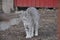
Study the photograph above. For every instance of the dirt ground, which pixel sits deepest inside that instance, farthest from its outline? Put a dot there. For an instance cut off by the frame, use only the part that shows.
(47, 28)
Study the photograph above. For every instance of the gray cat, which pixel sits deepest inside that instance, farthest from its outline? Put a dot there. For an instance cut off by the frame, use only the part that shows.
(30, 19)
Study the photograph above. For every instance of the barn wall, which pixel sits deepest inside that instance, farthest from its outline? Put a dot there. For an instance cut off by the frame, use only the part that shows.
(36, 3)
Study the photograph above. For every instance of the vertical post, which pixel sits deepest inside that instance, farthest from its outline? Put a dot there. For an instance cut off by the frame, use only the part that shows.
(58, 27)
(15, 4)
(16, 9)
(58, 21)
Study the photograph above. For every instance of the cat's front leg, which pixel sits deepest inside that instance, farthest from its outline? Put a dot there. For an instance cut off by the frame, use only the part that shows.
(27, 30)
(36, 29)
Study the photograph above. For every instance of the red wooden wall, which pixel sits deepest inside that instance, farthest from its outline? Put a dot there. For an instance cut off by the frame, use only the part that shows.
(36, 3)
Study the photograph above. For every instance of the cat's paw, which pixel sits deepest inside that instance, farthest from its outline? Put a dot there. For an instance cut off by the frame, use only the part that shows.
(29, 36)
(36, 34)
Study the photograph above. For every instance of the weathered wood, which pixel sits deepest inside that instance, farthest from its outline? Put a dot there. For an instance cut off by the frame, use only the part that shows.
(7, 6)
